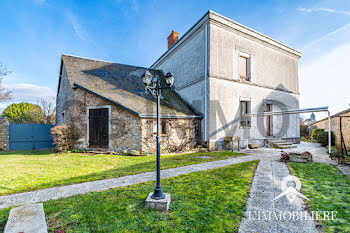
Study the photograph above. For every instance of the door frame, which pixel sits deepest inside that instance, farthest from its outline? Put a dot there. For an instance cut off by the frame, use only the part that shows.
(109, 107)
(269, 127)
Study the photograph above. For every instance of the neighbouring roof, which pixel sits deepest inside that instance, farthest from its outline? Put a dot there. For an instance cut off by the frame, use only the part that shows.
(335, 115)
(122, 85)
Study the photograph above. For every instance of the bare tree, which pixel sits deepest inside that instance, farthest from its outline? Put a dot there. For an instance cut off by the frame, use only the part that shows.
(48, 107)
(5, 93)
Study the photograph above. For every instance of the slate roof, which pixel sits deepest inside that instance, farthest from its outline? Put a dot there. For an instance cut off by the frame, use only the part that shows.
(122, 85)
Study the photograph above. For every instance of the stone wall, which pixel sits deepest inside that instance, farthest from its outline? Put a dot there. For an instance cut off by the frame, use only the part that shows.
(125, 126)
(180, 135)
(4, 134)
(65, 100)
(335, 127)
(127, 130)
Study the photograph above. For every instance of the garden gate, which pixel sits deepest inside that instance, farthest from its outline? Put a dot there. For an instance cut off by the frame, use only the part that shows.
(30, 136)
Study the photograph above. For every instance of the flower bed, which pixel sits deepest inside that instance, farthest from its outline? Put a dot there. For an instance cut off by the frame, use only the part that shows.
(304, 157)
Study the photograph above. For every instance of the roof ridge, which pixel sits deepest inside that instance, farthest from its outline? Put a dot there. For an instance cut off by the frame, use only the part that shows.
(92, 59)
(85, 58)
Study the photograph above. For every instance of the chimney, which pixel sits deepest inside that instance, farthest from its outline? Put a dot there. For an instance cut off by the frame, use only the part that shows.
(174, 36)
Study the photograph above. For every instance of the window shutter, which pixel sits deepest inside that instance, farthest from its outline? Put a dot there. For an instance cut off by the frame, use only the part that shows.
(249, 68)
(243, 66)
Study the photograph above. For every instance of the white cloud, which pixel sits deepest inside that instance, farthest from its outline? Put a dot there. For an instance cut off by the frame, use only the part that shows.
(325, 81)
(26, 92)
(329, 10)
(30, 92)
(77, 27)
(326, 36)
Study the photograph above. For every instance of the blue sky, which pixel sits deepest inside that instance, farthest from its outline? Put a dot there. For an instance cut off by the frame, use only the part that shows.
(34, 34)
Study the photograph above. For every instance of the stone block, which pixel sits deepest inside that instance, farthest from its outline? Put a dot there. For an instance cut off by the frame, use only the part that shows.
(28, 218)
(253, 146)
(160, 205)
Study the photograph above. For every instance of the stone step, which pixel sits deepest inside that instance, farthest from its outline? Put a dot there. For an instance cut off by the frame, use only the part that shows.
(282, 143)
(29, 218)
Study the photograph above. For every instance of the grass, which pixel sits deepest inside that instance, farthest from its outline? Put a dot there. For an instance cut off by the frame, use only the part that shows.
(207, 201)
(32, 170)
(304, 139)
(328, 190)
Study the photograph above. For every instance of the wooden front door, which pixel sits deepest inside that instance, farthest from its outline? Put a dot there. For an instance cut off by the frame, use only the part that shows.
(268, 120)
(98, 128)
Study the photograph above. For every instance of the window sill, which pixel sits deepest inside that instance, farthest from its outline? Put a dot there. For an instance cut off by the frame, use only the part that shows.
(242, 126)
(245, 79)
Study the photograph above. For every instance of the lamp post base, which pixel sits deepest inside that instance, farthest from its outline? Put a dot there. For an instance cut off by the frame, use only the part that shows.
(160, 204)
(158, 194)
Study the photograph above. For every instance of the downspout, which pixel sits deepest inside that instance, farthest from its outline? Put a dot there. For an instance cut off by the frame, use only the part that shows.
(206, 85)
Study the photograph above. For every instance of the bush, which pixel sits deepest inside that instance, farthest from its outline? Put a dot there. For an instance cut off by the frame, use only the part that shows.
(315, 133)
(24, 113)
(321, 137)
(65, 137)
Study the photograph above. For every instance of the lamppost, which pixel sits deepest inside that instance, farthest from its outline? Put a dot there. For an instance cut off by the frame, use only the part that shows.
(153, 85)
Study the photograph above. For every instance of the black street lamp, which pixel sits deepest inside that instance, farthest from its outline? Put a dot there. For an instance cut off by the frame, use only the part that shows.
(154, 86)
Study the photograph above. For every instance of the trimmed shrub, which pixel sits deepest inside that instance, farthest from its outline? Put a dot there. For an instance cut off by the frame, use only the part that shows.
(321, 137)
(315, 133)
(65, 137)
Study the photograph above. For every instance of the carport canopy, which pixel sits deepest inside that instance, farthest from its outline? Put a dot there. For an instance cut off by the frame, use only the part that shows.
(298, 111)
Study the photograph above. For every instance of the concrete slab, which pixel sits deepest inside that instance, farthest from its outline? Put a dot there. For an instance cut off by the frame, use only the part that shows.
(160, 205)
(27, 219)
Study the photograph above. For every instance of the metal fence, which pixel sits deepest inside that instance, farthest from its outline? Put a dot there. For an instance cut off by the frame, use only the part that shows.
(30, 136)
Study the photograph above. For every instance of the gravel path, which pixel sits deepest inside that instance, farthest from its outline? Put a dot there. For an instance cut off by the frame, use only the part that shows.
(100, 185)
(261, 205)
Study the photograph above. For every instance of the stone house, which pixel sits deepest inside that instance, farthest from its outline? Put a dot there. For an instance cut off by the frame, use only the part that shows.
(108, 104)
(335, 126)
(223, 70)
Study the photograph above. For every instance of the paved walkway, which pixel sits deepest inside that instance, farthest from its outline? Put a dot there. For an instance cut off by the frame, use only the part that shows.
(100, 185)
(264, 214)
(319, 154)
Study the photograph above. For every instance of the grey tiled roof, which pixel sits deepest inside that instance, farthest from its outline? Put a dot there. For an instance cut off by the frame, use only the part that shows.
(122, 85)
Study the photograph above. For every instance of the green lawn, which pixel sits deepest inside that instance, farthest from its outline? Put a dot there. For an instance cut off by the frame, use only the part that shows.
(207, 201)
(328, 190)
(32, 170)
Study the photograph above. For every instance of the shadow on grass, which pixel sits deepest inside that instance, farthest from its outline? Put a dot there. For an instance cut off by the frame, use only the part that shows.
(166, 162)
(28, 152)
(205, 201)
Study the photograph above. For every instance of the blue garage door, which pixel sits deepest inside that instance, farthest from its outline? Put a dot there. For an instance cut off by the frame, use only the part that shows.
(30, 136)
